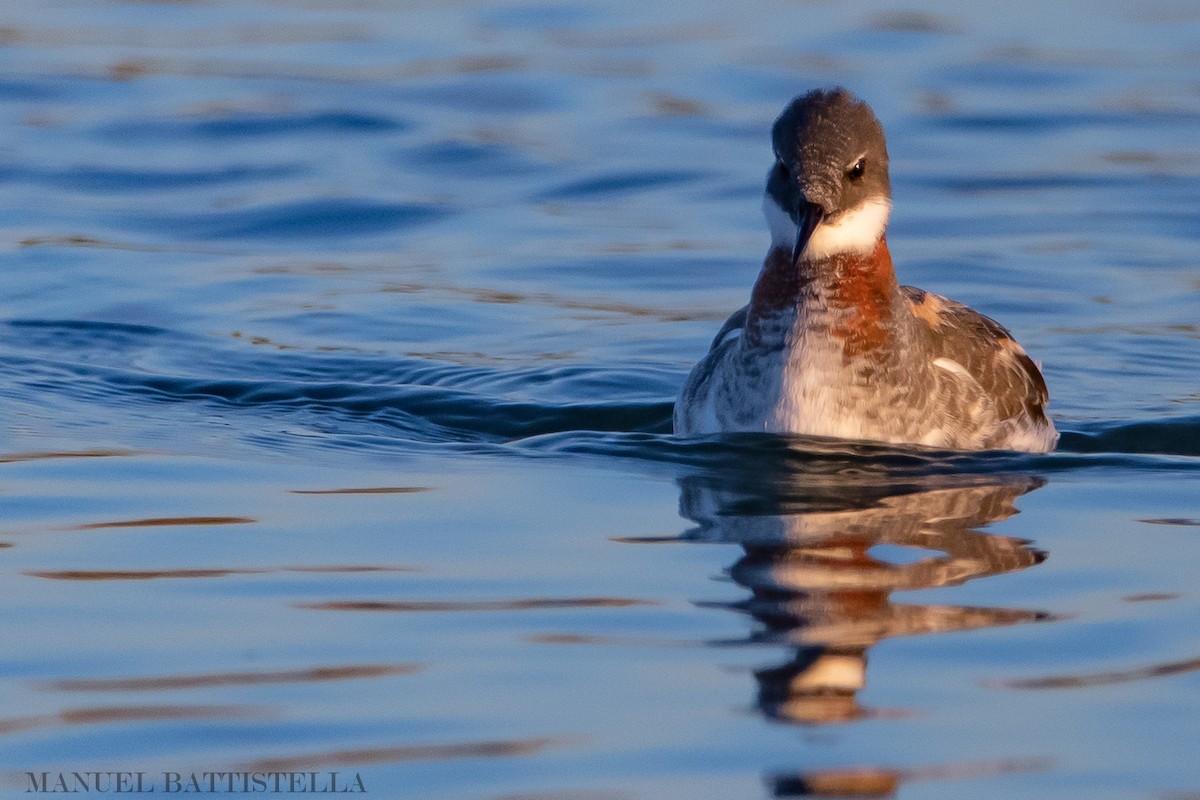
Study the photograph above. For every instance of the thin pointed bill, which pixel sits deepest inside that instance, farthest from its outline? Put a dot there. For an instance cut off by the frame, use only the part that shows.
(809, 217)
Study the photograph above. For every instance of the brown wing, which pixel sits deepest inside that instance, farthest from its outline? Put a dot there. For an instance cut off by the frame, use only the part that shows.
(986, 350)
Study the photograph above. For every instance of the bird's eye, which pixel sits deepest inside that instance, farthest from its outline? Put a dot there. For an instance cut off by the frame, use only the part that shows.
(856, 172)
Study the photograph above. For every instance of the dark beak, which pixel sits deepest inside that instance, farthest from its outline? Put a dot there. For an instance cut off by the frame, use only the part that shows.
(809, 217)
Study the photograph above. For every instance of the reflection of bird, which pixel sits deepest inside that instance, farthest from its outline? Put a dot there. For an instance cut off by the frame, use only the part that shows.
(817, 583)
(830, 344)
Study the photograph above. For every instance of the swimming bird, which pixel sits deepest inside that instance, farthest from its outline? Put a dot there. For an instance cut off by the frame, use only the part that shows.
(830, 343)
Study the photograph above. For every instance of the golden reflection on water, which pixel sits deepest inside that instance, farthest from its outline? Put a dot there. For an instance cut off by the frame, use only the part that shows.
(403, 753)
(1083, 680)
(135, 575)
(40, 455)
(87, 241)
(211, 679)
(214, 572)
(157, 522)
(563, 302)
(817, 583)
(106, 715)
(367, 490)
(521, 604)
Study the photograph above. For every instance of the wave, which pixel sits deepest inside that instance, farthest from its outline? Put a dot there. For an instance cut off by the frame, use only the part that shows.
(306, 219)
(1178, 436)
(606, 411)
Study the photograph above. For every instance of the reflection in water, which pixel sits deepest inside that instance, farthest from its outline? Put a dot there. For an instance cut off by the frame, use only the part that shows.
(1080, 681)
(214, 572)
(7, 458)
(523, 604)
(108, 715)
(367, 490)
(819, 580)
(868, 782)
(161, 522)
(209, 680)
(499, 748)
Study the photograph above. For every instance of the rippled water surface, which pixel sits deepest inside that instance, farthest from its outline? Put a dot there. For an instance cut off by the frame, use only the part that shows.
(338, 344)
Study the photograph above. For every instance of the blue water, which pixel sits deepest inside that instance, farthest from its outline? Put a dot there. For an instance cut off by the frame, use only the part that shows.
(338, 348)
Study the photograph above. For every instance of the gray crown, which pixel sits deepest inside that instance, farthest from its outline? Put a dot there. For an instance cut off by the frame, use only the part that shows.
(830, 152)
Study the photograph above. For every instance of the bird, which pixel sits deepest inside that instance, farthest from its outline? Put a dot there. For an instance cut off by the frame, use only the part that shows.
(830, 344)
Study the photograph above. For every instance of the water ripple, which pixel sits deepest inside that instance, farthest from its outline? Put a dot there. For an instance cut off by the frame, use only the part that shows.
(212, 679)
(91, 179)
(1179, 436)
(420, 412)
(600, 411)
(816, 457)
(618, 184)
(395, 754)
(240, 126)
(1059, 120)
(306, 219)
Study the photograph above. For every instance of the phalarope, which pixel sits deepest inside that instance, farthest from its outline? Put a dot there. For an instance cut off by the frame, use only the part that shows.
(830, 343)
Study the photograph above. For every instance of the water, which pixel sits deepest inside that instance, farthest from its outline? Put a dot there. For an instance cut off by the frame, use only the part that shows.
(337, 354)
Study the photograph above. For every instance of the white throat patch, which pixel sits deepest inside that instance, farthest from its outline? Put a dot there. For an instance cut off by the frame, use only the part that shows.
(855, 231)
